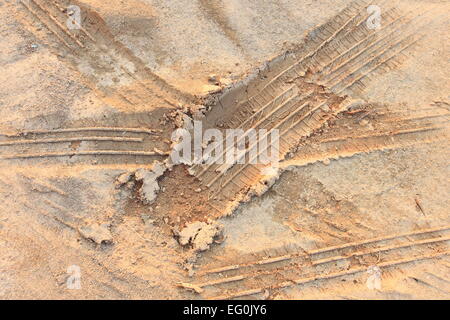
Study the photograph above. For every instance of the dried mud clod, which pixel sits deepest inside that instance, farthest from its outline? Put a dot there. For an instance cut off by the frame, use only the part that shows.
(145, 180)
(149, 178)
(200, 235)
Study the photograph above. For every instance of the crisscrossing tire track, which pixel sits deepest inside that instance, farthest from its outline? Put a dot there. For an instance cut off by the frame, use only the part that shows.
(308, 92)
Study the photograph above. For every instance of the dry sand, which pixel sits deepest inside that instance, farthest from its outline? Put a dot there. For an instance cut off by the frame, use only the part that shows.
(87, 115)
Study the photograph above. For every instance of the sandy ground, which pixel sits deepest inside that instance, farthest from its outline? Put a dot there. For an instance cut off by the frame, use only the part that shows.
(88, 195)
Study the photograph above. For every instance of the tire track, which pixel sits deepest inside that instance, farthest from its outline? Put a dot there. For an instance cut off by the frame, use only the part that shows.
(358, 53)
(95, 44)
(62, 140)
(79, 153)
(349, 245)
(316, 278)
(116, 144)
(266, 91)
(303, 266)
(384, 130)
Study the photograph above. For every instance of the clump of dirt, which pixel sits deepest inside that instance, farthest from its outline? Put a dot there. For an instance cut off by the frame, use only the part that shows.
(145, 181)
(150, 186)
(200, 235)
(269, 175)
